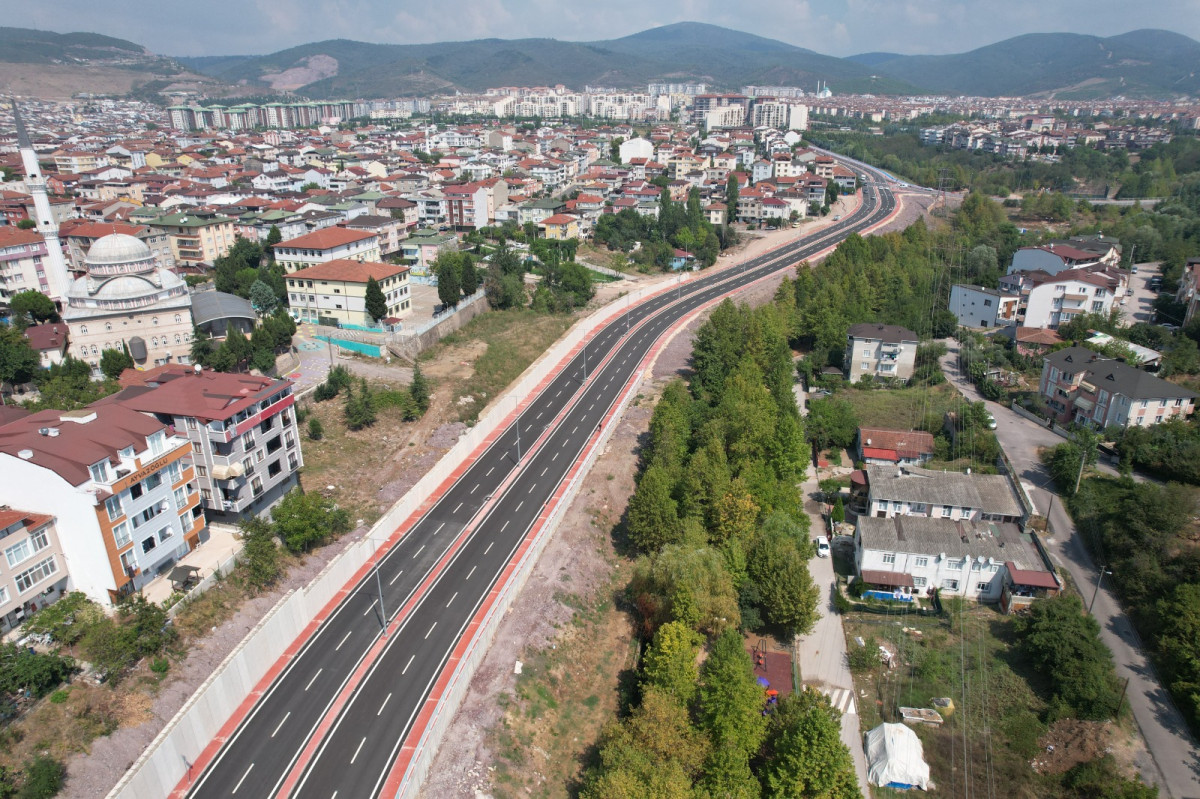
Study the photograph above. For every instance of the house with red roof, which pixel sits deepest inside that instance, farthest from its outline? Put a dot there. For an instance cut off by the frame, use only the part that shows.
(882, 447)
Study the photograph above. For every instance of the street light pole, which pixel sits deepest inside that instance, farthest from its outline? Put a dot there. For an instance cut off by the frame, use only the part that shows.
(379, 585)
(1096, 593)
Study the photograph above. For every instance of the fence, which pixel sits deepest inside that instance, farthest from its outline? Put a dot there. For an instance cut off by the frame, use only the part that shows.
(223, 570)
(1028, 414)
(409, 343)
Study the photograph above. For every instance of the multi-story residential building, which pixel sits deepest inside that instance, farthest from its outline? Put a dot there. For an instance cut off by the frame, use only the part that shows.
(1081, 386)
(422, 248)
(33, 573)
(1052, 301)
(22, 263)
(984, 561)
(467, 205)
(955, 496)
(78, 235)
(241, 429)
(391, 231)
(883, 351)
(560, 227)
(121, 486)
(322, 246)
(196, 236)
(975, 306)
(334, 293)
(76, 162)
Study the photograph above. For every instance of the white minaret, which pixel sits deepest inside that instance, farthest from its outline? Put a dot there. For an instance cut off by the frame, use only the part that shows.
(56, 266)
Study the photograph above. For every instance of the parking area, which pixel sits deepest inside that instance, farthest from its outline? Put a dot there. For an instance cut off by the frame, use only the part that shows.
(1139, 303)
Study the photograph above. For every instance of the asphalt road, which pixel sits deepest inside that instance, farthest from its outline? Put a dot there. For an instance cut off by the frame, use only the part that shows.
(482, 519)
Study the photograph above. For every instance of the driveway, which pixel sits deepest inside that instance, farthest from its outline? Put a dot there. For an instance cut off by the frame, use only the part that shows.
(1171, 760)
(1139, 303)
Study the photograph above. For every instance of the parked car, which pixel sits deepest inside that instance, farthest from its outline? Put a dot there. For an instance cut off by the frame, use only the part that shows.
(991, 422)
(822, 547)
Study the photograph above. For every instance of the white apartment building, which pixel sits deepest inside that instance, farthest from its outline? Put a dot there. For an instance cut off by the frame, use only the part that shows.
(330, 244)
(121, 486)
(975, 306)
(875, 350)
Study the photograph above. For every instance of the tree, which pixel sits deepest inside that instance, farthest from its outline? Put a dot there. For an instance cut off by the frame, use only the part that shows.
(731, 197)
(32, 307)
(778, 564)
(653, 516)
(22, 669)
(687, 584)
(831, 422)
(1064, 644)
(202, 347)
(731, 702)
(446, 267)
(376, 302)
(806, 758)
(316, 430)
(419, 390)
(26, 224)
(114, 362)
(18, 361)
(360, 410)
(273, 238)
(577, 282)
(468, 275)
(260, 555)
(44, 777)
(670, 662)
(262, 298)
(302, 520)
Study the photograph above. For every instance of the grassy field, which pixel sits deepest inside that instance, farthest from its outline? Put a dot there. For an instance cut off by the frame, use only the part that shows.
(997, 727)
(901, 408)
(563, 698)
(511, 341)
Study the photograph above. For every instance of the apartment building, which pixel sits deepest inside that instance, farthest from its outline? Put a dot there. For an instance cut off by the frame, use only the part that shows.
(120, 485)
(1081, 386)
(33, 573)
(882, 351)
(22, 263)
(335, 293)
(330, 244)
(196, 236)
(78, 235)
(240, 429)
(976, 306)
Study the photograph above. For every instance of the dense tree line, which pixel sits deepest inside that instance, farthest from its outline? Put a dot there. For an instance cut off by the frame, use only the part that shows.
(1142, 533)
(718, 520)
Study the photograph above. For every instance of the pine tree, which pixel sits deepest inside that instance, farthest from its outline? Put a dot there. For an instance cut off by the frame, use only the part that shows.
(419, 390)
(449, 280)
(376, 302)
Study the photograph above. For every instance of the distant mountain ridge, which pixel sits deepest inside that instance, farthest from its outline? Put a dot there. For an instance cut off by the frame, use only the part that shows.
(686, 51)
(1141, 63)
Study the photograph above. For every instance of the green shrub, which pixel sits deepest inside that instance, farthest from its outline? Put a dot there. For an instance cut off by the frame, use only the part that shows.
(840, 603)
(160, 666)
(43, 778)
(863, 658)
(316, 430)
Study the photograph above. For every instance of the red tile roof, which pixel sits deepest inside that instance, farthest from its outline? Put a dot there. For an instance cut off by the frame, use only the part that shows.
(327, 238)
(560, 219)
(47, 337)
(906, 443)
(10, 516)
(349, 271)
(207, 395)
(13, 236)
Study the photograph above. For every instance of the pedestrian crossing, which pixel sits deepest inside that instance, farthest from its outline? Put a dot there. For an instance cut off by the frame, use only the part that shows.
(842, 699)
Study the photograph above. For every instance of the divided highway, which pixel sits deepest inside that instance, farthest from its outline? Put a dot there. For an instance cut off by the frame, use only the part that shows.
(332, 723)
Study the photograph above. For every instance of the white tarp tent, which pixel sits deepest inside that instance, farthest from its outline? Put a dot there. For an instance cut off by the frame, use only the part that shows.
(895, 758)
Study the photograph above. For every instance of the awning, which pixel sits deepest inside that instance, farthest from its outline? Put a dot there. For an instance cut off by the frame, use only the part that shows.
(1084, 404)
(1033, 579)
(889, 579)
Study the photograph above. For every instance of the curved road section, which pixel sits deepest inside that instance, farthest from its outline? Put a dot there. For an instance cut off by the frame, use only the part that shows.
(333, 721)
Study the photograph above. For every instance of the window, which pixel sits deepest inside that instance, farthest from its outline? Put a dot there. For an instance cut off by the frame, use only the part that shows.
(191, 423)
(148, 544)
(173, 472)
(157, 442)
(957, 565)
(164, 534)
(256, 485)
(129, 562)
(206, 495)
(889, 558)
(865, 365)
(178, 318)
(180, 497)
(19, 553)
(32, 576)
(202, 471)
(154, 320)
(121, 534)
(919, 562)
(274, 468)
(197, 448)
(982, 587)
(946, 511)
(99, 471)
(919, 582)
(292, 461)
(3, 595)
(949, 585)
(153, 481)
(248, 442)
(113, 506)
(135, 491)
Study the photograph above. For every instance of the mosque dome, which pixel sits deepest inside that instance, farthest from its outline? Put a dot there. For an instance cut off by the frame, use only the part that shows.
(118, 248)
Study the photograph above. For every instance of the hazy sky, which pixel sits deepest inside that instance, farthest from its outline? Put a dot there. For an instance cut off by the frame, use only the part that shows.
(835, 27)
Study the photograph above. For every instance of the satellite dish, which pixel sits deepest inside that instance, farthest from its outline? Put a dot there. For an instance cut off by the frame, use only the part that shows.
(197, 368)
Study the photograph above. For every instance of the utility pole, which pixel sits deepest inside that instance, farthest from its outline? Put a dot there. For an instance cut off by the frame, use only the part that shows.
(1096, 593)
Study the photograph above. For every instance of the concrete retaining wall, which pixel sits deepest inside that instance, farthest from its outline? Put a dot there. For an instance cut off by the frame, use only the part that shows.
(408, 345)
(168, 760)
(1030, 415)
